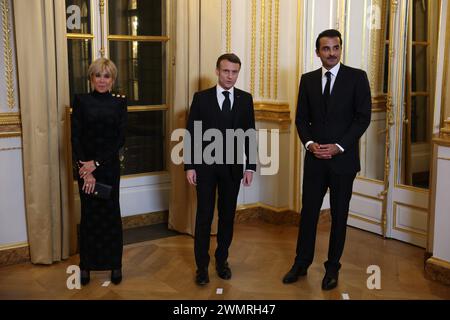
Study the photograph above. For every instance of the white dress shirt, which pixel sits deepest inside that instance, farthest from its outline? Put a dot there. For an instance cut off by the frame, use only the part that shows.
(334, 71)
(221, 96)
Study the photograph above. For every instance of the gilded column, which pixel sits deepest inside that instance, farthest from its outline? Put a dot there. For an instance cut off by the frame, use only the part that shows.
(102, 37)
(253, 50)
(8, 54)
(228, 27)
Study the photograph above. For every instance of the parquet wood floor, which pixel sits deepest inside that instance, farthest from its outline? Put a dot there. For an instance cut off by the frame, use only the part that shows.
(260, 255)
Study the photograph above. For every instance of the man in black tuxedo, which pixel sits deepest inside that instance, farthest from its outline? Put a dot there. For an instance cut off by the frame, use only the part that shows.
(333, 112)
(221, 107)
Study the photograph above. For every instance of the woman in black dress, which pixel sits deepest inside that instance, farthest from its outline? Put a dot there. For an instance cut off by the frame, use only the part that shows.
(98, 132)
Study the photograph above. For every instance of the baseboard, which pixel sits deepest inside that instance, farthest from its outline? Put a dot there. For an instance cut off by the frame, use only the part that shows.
(269, 214)
(14, 254)
(437, 270)
(146, 219)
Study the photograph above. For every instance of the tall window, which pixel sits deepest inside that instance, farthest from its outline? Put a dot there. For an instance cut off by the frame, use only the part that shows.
(79, 44)
(136, 43)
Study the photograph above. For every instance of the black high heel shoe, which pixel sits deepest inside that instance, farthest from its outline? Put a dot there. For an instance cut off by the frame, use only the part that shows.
(116, 276)
(85, 277)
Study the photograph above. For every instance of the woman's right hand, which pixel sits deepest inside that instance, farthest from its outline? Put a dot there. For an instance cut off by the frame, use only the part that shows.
(86, 167)
(89, 183)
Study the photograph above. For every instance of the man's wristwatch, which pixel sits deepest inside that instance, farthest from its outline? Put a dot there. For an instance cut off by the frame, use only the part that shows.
(96, 163)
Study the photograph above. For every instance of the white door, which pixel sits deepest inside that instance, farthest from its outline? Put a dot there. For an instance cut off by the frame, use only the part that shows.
(412, 88)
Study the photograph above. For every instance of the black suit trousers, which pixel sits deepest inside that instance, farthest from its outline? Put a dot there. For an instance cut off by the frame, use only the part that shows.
(316, 181)
(212, 179)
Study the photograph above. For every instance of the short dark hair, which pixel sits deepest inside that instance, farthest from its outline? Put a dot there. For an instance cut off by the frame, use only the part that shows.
(330, 33)
(230, 57)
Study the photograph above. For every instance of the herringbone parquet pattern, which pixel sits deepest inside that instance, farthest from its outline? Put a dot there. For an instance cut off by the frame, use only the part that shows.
(260, 255)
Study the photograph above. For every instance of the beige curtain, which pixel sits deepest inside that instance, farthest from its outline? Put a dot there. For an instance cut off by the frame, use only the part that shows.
(42, 113)
(182, 202)
(446, 95)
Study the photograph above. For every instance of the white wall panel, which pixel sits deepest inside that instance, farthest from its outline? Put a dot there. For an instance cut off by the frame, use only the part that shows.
(441, 243)
(12, 204)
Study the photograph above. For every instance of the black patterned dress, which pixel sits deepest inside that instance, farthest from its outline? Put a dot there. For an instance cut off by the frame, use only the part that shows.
(98, 132)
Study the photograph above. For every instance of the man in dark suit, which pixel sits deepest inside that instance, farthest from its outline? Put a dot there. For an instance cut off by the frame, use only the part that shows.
(333, 112)
(222, 107)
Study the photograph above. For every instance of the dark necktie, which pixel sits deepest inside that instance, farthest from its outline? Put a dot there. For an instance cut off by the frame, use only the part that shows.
(326, 91)
(226, 106)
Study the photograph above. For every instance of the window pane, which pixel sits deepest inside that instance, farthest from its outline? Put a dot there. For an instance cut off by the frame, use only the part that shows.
(419, 119)
(137, 17)
(78, 16)
(144, 147)
(141, 71)
(420, 21)
(419, 68)
(80, 56)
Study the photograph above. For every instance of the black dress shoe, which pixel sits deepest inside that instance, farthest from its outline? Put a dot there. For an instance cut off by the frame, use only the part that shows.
(223, 271)
(202, 277)
(329, 282)
(85, 277)
(116, 276)
(293, 274)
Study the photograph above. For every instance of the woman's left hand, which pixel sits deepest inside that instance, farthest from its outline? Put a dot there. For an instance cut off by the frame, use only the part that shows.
(89, 184)
(87, 167)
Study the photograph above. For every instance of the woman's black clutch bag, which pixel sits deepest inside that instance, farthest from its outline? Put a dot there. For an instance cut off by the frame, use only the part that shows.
(102, 191)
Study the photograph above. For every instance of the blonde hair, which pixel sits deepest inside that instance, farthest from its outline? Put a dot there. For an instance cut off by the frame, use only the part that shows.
(100, 65)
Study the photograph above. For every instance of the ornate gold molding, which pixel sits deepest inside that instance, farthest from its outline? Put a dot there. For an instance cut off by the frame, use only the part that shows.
(102, 31)
(446, 129)
(253, 49)
(276, 45)
(377, 47)
(278, 113)
(228, 27)
(441, 140)
(8, 54)
(262, 46)
(379, 103)
(10, 125)
(269, 51)
(11, 118)
(389, 117)
(394, 6)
